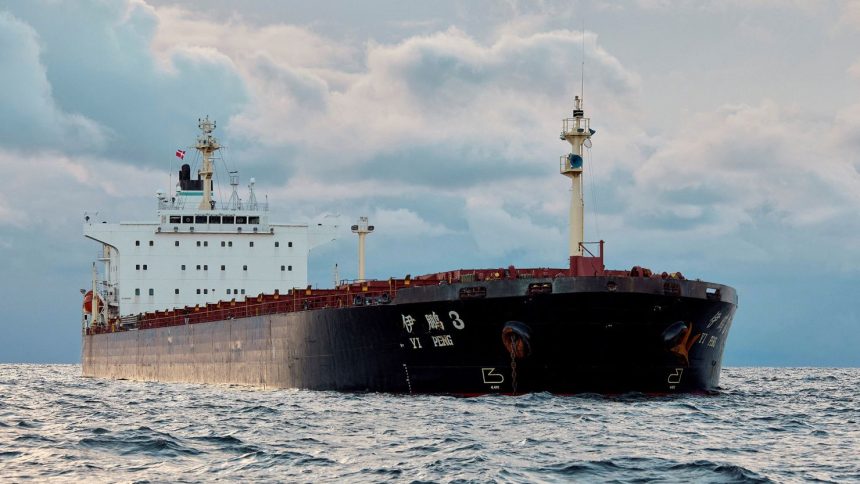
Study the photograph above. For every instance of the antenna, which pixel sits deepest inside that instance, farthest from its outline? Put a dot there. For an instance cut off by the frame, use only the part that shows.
(582, 67)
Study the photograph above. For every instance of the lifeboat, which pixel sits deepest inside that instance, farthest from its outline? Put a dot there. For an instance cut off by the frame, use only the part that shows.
(88, 302)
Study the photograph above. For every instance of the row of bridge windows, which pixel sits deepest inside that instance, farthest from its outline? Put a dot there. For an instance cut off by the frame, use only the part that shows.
(205, 267)
(205, 243)
(199, 291)
(215, 219)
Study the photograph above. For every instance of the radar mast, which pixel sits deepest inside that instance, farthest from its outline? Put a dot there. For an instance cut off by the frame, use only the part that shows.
(576, 131)
(206, 145)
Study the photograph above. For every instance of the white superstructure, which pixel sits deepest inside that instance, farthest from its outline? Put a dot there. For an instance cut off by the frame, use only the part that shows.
(198, 251)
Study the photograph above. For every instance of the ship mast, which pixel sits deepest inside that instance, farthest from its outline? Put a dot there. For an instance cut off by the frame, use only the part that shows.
(206, 145)
(362, 228)
(576, 131)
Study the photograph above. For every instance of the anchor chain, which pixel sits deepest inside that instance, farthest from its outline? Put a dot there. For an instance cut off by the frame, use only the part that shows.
(514, 363)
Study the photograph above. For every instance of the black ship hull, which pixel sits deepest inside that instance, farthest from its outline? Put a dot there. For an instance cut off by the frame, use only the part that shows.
(561, 335)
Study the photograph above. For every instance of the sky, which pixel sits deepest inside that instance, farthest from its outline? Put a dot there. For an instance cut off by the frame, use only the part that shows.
(727, 145)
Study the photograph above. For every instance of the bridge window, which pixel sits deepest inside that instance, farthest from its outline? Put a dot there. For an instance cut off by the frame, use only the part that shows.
(214, 219)
(228, 219)
(253, 220)
(175, 219)
(241, 220)
(187, 219)
(200, 219)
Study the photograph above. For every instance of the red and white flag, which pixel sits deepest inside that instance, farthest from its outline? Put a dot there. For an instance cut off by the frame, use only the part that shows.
(180, 154)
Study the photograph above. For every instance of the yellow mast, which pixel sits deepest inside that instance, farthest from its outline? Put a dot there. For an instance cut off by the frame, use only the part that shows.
(206, 145)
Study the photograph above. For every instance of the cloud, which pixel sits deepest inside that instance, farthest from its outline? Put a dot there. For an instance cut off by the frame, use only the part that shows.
(776, 173)
(502, 231)
(403, 223)
(83, 79)
(65, 186)
(732, 5)
(849, 15)
(432, 103)
(242, 41)
(854, 70)
(30, 115)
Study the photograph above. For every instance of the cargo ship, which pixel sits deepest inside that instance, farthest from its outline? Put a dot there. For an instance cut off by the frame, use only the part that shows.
(215, 292)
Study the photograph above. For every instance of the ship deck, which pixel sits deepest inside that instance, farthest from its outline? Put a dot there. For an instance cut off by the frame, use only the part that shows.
(367, 293)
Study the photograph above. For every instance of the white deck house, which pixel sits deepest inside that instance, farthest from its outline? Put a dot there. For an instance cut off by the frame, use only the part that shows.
(198, 251)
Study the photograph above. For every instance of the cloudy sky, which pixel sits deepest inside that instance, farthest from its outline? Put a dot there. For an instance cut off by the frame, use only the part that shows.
(728, 142)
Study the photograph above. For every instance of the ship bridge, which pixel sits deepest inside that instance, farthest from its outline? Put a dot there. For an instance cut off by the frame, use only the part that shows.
(199, 251)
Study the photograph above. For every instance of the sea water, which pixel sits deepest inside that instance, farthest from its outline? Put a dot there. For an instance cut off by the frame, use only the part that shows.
(766, 424)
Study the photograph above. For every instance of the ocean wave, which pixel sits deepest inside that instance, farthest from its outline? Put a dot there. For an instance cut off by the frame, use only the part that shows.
(760, 428)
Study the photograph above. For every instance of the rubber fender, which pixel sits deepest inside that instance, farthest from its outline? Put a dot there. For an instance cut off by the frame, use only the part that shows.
(516, 336)
(673, 334)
